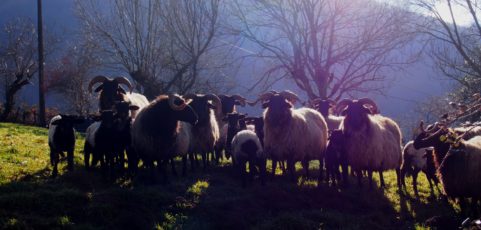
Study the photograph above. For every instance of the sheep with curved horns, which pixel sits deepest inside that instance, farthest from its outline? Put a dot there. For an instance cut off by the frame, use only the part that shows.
(457, 157)
(61, 138)
(228, 106)
(111, 91)
(372, 142)
(292, 134)
(158, 132)
(205, 133)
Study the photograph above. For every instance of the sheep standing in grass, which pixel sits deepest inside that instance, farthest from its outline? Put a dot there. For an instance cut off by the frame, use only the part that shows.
(245, 146)
(415, 160)
(292, 134)
(61, 138)
(458, 159)
(335, 156)
(205, 133)
(372, 142)
(157, 133)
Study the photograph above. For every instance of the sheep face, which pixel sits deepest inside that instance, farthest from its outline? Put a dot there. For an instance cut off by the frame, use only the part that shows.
(356, 115)
(280, 108)
(234, 126)
(202, 104)
(229, 102)
(110, 90)
(323, 106)
(430, 137)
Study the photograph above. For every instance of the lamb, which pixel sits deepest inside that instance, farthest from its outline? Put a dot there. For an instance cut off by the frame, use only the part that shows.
(372, 142)
(61, 137)
(228, 106)
(111, 91)
(335, 156)
(157, 133)
(245, 147)
(292, 134)
(205, 133)
(415, 160)
(457, 158)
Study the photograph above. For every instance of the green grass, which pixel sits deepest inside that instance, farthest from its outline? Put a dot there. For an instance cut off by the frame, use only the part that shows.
(30, 199)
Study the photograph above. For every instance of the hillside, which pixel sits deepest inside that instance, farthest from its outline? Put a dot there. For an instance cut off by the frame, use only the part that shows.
(30, 199)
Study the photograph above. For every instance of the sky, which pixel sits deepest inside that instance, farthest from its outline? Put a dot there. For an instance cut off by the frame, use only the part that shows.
(416, 83)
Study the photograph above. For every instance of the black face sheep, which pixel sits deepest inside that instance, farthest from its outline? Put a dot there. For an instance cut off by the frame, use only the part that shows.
(61, 138)
(157, 134)
(205, 134)
(111, 92)
(123, 123)
(228, 106)
(324, 106)
(372, 142)
(292, 134)
(335, 156)
(416, 160)
(245, 147)
(458, 158)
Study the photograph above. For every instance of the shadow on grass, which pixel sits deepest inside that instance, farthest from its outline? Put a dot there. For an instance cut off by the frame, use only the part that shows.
(202, 200)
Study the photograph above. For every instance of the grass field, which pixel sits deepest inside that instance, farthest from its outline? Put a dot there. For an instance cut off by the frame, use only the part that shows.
(30, 199)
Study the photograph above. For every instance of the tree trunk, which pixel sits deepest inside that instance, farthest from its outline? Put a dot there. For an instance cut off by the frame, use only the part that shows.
(10, 97)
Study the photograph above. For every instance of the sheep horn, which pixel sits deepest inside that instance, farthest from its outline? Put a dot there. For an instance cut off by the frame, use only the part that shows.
(262, 97)
(342, 105)
(125, 81)
(216, 101)
(370, 102)
(434, 134)
(96, 80)
(290, 96)
(172, 104)
(421, 127)
(242, 100)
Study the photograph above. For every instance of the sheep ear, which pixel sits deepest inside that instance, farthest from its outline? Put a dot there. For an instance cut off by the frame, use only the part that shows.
(265, 105)
(56, 122)
(133, 107)
(99, 88)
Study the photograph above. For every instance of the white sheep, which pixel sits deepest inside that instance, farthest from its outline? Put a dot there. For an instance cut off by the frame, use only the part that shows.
(415, 160)
(292, 134)
(372, 142)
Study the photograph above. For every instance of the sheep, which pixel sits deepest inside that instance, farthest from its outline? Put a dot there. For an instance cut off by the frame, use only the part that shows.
(323, 106)
(372, 142)
(157, 133)
(292, 134)
(110, 92)
(122, 141)
(228, 106)
(457, 158)
(415, 160)
(205, 133)
(245, 147)
(335, 156)
(61, 137)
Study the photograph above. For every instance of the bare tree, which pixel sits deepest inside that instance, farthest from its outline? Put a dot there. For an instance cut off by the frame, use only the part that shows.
(159, 43)
(18, 62)
(456, 48)
(71, 76)
(328, 48)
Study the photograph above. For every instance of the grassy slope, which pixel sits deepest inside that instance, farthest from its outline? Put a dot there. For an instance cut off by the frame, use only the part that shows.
(29, 199)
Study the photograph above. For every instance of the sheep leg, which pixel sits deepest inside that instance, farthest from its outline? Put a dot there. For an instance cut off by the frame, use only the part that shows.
(369, 176)
(404, 170)
(345, 174)
(381, 178)
(192, 161)
(415, 182)
(262, 169)
(132, 161)
(462, 205)
(70, 160)
(243, 171)
(252, 169)
(305, 165)
(184, 165)
(474, 206)
(274, 166)
(54, 158)
(291, 167)
(161, 165)
(430, 185)
(204, 160)
(172, 164)
(87, 152)
(359, 177)
(398, 179)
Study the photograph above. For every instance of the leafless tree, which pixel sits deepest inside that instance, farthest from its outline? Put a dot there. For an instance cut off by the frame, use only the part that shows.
(70, 77)
(328, 48)
(160, 44)
(455, 47)
(18, 62)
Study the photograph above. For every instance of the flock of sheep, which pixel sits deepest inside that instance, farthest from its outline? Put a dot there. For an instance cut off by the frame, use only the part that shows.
(348, 133)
